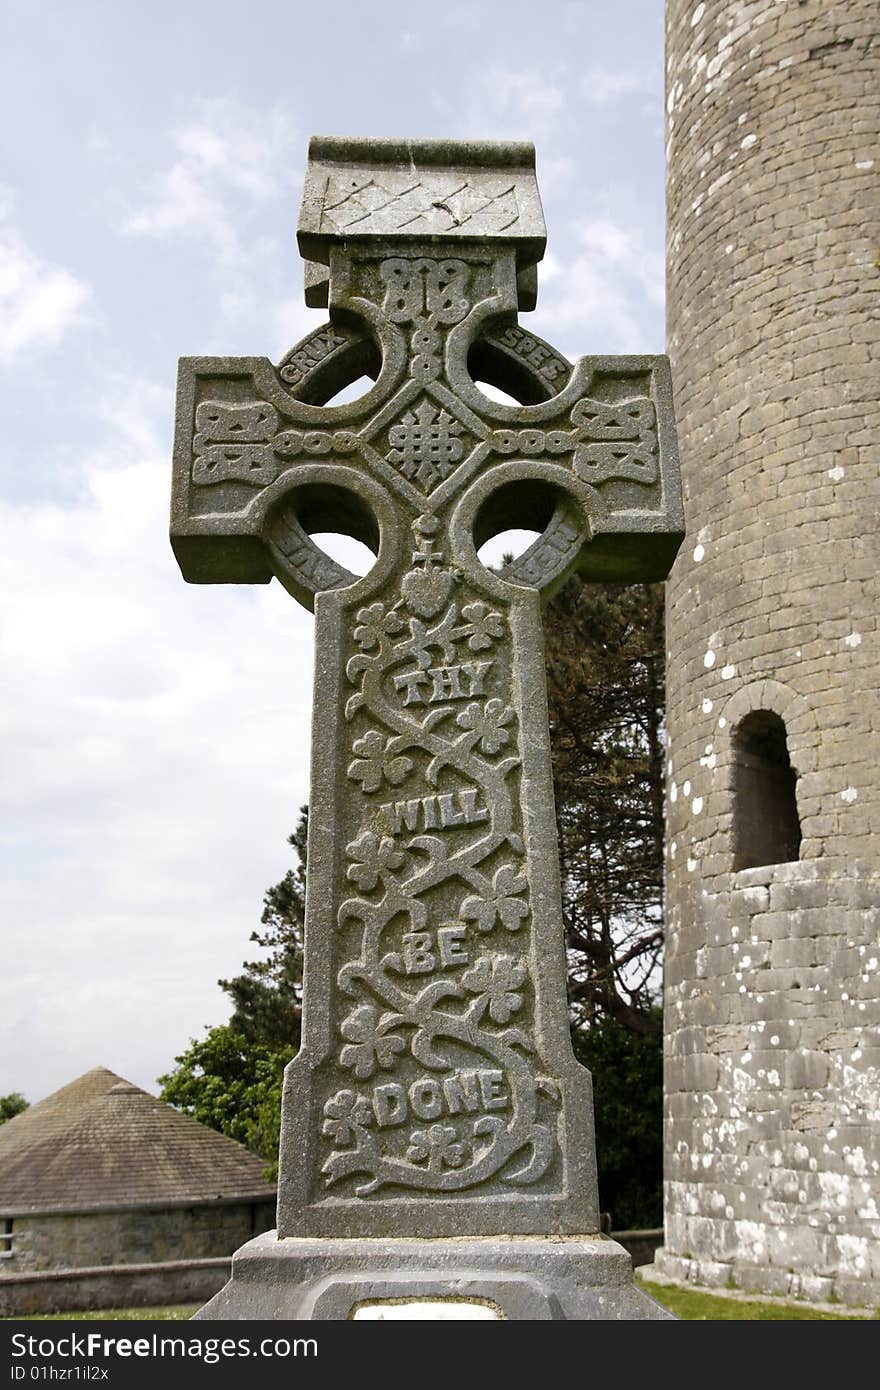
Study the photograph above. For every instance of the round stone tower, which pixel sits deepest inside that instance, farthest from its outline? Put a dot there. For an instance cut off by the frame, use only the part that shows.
(773, 959)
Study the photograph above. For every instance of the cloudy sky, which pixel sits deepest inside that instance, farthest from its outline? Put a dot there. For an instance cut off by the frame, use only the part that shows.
(155, 734)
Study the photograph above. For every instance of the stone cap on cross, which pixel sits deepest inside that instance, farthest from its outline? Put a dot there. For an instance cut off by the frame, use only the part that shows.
(448, 190)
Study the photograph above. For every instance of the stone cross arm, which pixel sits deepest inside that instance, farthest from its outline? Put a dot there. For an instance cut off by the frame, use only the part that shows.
(599, 456)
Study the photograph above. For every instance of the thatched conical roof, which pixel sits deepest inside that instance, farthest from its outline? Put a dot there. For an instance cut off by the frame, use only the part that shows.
(103, 1142)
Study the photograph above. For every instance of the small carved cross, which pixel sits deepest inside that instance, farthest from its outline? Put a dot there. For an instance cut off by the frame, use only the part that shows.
(436, 1092)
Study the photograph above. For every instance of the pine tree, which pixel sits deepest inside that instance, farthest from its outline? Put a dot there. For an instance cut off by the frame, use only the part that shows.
(605, 679)
(605, 685)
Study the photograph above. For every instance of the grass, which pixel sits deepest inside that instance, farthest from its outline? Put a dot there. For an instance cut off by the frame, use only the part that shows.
(179, 1312)
(692, 1305)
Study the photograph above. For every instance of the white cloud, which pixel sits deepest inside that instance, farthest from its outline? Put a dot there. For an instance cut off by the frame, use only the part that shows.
(518, 103)
(607, 296)
(97, 141)
(603, 86)
(535, 98)
(555, 171)
(39, 302)
(229, 156)
(551, 268)
(292, 321)
(626, 252)
(156, 739)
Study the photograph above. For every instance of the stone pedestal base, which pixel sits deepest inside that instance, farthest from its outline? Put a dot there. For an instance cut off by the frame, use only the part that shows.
(566, 1278)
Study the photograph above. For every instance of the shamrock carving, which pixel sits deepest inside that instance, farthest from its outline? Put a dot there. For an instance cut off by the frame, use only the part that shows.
(344, 1112)
(368, 1041)
(371, 855)
(439, 1145)
(376, 762)
(502, 902)
(498, 979)
(489, 722)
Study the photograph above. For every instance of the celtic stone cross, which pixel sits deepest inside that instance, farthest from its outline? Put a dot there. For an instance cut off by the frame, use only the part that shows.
(436, 1094)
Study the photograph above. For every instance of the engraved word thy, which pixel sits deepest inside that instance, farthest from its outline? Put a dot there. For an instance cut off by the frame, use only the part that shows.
(443, 683)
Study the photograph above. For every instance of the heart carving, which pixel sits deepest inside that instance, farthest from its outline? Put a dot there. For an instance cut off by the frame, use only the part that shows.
(426, 591)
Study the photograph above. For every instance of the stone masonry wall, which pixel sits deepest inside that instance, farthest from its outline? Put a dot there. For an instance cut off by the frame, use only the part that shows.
(772, 979)
(83, 1240)
(114, 1286)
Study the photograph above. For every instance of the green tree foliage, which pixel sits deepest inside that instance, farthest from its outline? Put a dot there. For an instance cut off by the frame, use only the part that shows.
(627, 1070)
(605, 683)
(267, 995)
(11, 1105)
(232, 1084)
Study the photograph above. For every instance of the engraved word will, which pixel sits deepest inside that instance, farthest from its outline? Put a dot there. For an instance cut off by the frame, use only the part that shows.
(440, 811)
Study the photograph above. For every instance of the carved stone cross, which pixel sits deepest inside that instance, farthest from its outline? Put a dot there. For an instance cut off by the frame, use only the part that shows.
(436, 1094)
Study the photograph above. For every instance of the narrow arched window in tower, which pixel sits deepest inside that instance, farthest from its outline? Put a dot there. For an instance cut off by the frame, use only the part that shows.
(766, 826)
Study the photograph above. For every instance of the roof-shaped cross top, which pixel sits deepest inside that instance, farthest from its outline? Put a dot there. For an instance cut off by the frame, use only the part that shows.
(436, 1092)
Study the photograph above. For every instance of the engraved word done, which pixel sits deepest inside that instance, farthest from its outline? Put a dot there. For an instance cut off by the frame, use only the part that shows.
(467, 1092)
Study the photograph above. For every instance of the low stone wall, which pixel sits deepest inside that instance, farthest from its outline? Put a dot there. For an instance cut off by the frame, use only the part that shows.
(640, 1245)
(113, 1286)
(47, 1241)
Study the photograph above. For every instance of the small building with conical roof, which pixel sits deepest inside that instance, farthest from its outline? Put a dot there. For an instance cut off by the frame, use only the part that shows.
(101, 1173)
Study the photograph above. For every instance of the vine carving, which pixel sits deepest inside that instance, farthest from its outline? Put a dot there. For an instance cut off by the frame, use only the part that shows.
(443, 1085)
